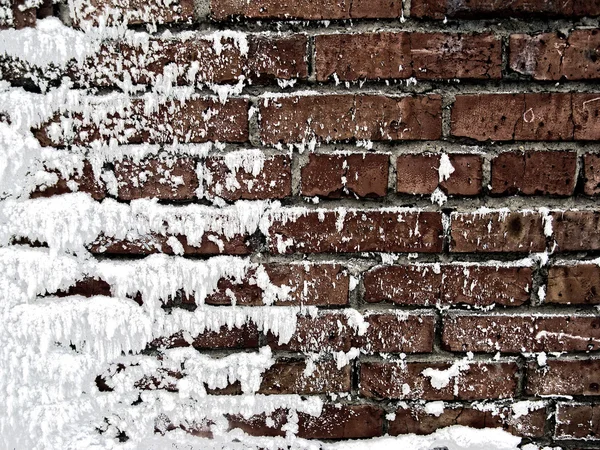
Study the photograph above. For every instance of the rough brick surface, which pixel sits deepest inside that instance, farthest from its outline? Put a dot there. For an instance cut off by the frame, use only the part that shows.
(591, 174)
(576, 230)
(288, 377)
(577, 421)
(574, 284)
(564, 377)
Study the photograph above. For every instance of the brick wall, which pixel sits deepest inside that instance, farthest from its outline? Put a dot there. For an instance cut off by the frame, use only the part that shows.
(415, 181)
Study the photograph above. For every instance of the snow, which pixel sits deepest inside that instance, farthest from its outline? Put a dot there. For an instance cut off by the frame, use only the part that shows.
(446, 168)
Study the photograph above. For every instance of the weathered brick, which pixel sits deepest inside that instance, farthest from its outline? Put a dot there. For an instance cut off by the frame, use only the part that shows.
(419, 174)
(289, 377)
(197, 60)
(509, 231)
(577, 421)
(20, 18)
(534, 173)
(521, 117)
(271, 178)
(335, 422)
(564, 377)
(186, 121)
(478, 9)
(85, 181)
(428, 285)
(576, 230)
(346, 231)
(114, 12)
(245, 336)
(576, 284)
(591, 174)
(397, 333)
(418, 421)
(406, 381)
(549, 56)
(403, 55)
(465, 332)
(361, 174)
(307, 9)
(305, 284)
(165, 178)
(296, 119)
(88, 287)
(586, 110)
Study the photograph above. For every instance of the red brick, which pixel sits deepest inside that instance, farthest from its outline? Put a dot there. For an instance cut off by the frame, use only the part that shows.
(591, 174)
(347, 117)
(520, 333)
(479, 9)
(564, 377)
(576, 284)
(576, 230)
(88, 287)
(403, 55)
(577, 421)
(86, 182)
(272, 180)
(347, 231)
(586, 110)
(165, 178)
(267, 59)
(548, 56)
(418, 421)
(245, 336)
(361, 174)
(335, 422)
(419, 174)
(497, 232)
(113, 12)
(427, 285)
(306, 284)
(534, 173)
(170, 121)
(508, 117)
(288, 377)
(478, 381)
(397, 333)
(307, 9)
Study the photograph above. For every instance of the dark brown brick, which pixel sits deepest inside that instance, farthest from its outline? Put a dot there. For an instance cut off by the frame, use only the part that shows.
(347, 117)
(510, 117)
(520, 333)
(398, 333)
(564, 377)
(480, 9)
(170, 121)
(576, 284)
(272, 180)
(307, 9)
(318, 231)
(576, 230)
(88, 287)
(577, 421)
(406, 381)
(497, 232)
(586, 110)
(288, 377)
(113, 12)
(548, 56)
(591, 174)
(427, 285)
(403, 55)
(534, 173)
(419, 174)
(417, 421)
(245, 336)
(333, 176)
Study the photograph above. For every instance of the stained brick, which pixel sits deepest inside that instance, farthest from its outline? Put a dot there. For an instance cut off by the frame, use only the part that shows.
(534, 173)
(428, 285)
(497, 232)
(289, 377)
(418, 421)
(361, 174)
(520, 333)
(399, 333)
(564, 377)
(591, 174)
(406, 381)
(419, 174)
(403, 55)
(297, 119)
(576, 230)
(577, 421)
(575, 284)
(319, 231)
